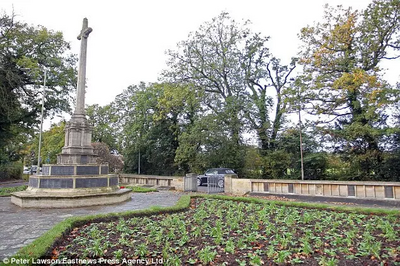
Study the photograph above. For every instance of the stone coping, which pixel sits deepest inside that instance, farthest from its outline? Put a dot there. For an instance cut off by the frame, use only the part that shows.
(325, 182)
(148, 176)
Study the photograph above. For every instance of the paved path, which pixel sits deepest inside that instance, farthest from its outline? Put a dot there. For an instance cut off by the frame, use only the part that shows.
(13, 183)
(21, 226)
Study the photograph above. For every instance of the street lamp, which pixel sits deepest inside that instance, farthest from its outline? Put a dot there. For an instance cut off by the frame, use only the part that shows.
(41, 121)
(301, 137)
(139, 156)
(301, 142)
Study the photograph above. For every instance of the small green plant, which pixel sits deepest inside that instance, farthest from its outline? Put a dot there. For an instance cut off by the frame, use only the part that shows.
(282, 256)
(271, 251)
(241, 262)
(173, 261)
(96, 249)
(296, 261)
(207, 255)
(192, 261)
(230, 246)
(328, 261)
(142, 250)
(183, 240)
(255, 259)
(307, 248)
(165, 250)
(118, 254)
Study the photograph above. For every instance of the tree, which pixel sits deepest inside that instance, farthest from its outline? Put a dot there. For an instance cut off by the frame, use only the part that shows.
(25, 52)
(204, 145)
(232, 68)
(105, 125)
(53, 142)
(262, 74)
(150, 136)
(210, 61)
(115, 161)
(342, 81)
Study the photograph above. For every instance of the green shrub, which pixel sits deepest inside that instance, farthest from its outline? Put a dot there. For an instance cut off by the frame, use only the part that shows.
(315, 166)
(11, 171)
(6, 191)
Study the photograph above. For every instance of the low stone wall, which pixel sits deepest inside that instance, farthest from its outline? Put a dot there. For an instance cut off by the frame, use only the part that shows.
(157, 181)
(351, 189)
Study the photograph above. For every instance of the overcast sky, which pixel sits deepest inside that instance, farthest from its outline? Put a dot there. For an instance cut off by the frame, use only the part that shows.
(129, 38)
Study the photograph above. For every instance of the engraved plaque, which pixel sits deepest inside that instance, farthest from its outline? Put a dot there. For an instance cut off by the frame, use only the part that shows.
(33, 182)
(46, 170)
(113, 181)
(104, 170)
(84, 159)
(90, 182)
(62, 170)
(56, 183)
(87, 170)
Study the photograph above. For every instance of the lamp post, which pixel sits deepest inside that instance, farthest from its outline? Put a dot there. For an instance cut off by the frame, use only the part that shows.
(41, 121)
(301, 143)
(139, 156)
(301, 139)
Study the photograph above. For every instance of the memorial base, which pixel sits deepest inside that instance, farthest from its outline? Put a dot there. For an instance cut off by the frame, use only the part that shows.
(39, 198)
(68, 191)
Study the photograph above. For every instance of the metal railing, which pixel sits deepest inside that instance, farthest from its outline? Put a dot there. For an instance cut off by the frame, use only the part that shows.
(215, 184)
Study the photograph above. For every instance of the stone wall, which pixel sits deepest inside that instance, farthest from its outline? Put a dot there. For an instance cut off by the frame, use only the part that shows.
(240, 186)
(153, 180)
(353, 189)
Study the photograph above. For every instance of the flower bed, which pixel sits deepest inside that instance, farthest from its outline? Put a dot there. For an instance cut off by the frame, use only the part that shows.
(234, 232)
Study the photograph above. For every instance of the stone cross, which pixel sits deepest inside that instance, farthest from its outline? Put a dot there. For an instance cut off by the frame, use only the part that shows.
(80, 94)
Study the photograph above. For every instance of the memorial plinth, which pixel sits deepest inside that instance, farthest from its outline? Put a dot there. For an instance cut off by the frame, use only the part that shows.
(77, 180)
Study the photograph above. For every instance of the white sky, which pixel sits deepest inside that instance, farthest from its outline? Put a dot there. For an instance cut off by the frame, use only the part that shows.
(129, 38)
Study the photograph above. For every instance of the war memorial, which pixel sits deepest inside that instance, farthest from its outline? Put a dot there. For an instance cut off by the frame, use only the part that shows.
(77, 179)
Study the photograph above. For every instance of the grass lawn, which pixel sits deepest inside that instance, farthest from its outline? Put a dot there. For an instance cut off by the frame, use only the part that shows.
(138, 189)
(228, 232)
(6, 191)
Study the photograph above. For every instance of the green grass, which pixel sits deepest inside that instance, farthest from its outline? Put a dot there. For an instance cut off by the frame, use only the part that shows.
(39, 246)
(137, 189)
(6, 191)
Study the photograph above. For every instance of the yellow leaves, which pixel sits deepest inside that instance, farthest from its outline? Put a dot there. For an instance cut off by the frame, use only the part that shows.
(343, 32)
(375, 95)
(356, 80)
(330, 44)
(307, 31)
